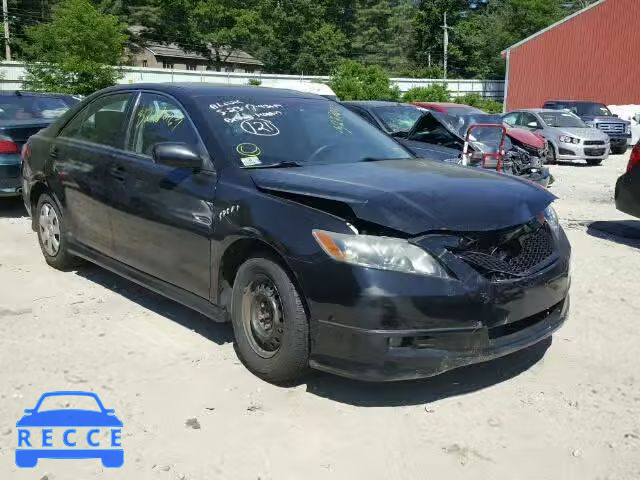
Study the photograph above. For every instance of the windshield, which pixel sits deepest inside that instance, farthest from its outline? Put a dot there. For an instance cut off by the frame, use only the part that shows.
(278, 130)
(561, 119)
(586, 109)
(464, 122)
(398, 118)
(24, 107)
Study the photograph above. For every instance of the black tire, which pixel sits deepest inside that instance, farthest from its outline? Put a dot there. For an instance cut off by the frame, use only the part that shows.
(551, 156)
(289, 361)
(594, 163)
(619, 150)
(61, 258)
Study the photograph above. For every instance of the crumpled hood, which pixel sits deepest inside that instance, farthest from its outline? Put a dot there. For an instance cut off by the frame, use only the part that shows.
(525, 136)
(415, 196)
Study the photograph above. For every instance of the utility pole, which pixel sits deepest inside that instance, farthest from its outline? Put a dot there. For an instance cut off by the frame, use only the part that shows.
(5, 15)
(446, 46)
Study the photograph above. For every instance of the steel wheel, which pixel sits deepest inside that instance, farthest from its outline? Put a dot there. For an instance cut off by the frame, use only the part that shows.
(49, 229)
(262, 317)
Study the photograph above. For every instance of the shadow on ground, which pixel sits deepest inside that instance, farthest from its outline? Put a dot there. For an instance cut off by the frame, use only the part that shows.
(12, 207)
(451, 384)
(625, 232)
(218, 333)
(456, 382)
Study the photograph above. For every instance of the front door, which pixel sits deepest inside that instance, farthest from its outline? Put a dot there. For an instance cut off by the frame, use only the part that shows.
(83, 156)
(163, 216)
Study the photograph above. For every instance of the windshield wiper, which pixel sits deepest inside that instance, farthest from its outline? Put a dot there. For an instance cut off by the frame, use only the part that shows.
(285, 164)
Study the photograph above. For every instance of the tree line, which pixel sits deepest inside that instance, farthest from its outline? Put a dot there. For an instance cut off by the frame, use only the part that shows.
(311, 37)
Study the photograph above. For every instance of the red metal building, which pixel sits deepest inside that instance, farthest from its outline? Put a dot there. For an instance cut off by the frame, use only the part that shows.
(591, 55)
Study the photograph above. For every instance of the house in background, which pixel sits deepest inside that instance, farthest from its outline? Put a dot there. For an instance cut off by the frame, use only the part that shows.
(155, 55)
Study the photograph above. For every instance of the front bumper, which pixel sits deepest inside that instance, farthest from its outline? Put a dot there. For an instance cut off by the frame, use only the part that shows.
(392, 355)
(571, 152)
(379, 325)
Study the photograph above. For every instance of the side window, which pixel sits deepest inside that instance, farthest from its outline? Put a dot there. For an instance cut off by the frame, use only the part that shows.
(511, 119)
(527, 119)
(102, 122)
(159, 119)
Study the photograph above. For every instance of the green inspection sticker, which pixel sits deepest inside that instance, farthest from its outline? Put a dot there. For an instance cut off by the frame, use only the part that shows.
(248, 149)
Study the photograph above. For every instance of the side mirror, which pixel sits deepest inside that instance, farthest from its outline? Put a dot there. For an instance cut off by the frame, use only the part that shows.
(532, 124)
(615, 115)
(28, 410)
(178, 155)
(109, 411)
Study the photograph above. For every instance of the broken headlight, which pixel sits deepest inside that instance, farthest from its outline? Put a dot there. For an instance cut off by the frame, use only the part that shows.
(552, 218)
(384, 253)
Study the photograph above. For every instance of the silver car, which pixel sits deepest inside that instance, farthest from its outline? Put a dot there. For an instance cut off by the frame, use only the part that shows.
(569, 137)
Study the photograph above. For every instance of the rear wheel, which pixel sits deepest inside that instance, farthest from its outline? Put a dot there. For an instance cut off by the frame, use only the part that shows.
(594, 163)
(269, 322)
(52, 234)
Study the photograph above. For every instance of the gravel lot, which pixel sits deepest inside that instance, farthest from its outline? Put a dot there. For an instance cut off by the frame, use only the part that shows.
(566, 409)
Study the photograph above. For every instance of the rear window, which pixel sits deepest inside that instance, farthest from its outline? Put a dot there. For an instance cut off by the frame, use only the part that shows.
(398, 118)
(32, 107)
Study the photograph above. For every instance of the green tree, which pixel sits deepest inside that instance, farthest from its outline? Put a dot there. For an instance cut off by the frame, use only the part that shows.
(433, 93)
(382, 34)
(321, 50)
(357, 81)
(76, 52)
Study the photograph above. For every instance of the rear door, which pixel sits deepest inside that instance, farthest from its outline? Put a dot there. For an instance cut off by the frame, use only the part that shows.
(82, 159)
(163, 217)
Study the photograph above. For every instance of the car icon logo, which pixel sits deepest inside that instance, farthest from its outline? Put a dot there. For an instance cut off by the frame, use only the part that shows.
(69, 433)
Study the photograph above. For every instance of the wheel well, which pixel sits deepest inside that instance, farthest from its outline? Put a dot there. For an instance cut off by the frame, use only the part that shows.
(36, 191)
(236, 254)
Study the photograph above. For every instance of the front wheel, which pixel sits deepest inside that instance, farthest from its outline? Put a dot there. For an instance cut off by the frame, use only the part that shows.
(52, 234)
(270, 323)
(619, 150)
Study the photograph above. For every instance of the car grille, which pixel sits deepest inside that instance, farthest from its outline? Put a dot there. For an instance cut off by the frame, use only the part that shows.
(611, 127)
(594, 152)
(594, 142)
(509, 254)
(9, 171)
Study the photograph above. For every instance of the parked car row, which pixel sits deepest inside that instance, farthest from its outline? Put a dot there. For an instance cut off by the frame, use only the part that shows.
(324, 241)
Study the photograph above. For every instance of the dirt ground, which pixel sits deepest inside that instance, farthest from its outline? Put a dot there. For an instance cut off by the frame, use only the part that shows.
(566, 409)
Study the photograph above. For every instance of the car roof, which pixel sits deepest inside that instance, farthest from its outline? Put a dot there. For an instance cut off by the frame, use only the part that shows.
(375, 103)
(441, 104)
(202, 89)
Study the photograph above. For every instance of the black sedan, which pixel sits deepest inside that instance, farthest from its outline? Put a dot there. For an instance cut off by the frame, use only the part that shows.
(323, 241)
(627, 194)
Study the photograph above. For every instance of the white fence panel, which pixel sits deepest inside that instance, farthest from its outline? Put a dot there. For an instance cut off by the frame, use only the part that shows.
(13, 72)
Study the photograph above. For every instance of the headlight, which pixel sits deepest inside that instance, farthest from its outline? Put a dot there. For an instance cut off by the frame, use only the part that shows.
(552, 218)
(627, 129)
(384, 253)
(568, 139)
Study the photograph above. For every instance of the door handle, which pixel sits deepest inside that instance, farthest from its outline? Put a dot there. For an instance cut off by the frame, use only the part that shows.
(118, 172)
